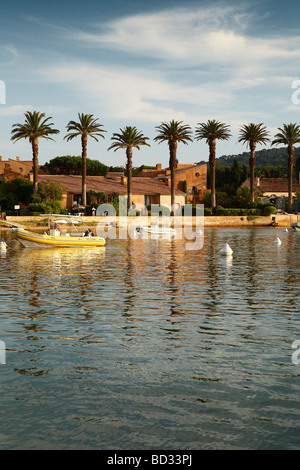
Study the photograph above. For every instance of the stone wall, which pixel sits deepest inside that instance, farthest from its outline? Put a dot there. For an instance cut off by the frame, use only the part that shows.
(210, 221)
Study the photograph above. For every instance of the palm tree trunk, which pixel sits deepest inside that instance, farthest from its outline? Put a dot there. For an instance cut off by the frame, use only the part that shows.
(35, 154)
(129, 178)
(84, 156)
(212, 165)
(290, 176)
(252, 163)
(173, 165)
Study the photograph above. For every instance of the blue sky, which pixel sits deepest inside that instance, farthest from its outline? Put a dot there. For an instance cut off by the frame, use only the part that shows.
(140, 63)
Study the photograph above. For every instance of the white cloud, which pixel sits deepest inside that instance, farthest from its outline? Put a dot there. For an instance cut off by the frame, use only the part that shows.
(16, 110)
(20, 109)
(127, 93)
(203, 36)
(188, 64)
(8, 55)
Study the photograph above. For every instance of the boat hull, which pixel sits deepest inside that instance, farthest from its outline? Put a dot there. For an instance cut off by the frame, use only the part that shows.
(295, 226)
(156, 230)
(36, 240)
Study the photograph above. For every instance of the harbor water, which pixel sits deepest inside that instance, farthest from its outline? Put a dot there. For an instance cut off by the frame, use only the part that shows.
(145, 345)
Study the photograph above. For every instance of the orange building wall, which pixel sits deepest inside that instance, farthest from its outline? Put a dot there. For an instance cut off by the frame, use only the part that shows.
(195, 177)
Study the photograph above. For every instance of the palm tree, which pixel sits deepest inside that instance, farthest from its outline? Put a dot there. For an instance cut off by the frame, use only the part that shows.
(289, 135)
(253, 134)
(173, 132)
(128, 138)
(35, 127)
(211, 131)
(87, 126)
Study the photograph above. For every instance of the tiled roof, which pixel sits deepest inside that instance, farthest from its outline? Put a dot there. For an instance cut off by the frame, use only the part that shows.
(273, 185)
(140, 186)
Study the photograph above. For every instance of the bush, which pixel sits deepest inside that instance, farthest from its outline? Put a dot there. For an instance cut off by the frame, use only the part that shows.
(49, 191)
(45, 207)
(237, 212)
(257, 211)
(219, 210)
(269, 210)
(26, 213)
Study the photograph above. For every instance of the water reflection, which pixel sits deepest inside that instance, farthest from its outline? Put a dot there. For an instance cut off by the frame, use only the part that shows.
(143, 343)
(129, 275)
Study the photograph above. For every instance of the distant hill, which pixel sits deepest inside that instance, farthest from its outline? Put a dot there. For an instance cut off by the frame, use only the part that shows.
(274, 157)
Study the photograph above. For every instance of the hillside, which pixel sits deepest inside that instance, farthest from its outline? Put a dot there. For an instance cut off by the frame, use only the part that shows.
(274, 157)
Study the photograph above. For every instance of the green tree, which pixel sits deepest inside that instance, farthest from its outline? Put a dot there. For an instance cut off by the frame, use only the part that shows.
(173, 132)
(49, 191)
(253, 134)
(64, 165)
(289, 136)
(87, 126)
(19, 190)
(72, 165)
(22, 188)
(243, 198)
(212, 131)
(47, 199)
(34, 128)
(128, 138)
(236, 173)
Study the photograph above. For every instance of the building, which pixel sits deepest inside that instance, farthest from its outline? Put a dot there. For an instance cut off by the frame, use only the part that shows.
(190, 179)
(151, 186)
(11, 169)
(145, 191)
(273, 190)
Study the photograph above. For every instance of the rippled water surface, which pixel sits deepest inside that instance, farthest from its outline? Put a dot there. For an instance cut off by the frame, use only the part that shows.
(144, 345)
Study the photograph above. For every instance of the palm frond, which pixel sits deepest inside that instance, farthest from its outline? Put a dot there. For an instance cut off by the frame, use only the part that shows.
(253, 133)
(173, 131)
(212, 130)
(129, 137)
(86, 125)
(289, 135)
(35, 127)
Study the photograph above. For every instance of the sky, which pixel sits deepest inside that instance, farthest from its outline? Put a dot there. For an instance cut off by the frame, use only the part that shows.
(140, 63)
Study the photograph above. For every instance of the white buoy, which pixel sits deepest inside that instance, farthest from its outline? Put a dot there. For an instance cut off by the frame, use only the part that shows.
(226, 250)
(277, 241)
(134, 234)
(285, 230)
(3, 246)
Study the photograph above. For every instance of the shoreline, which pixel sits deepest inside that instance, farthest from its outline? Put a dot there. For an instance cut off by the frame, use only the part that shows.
(274, 221)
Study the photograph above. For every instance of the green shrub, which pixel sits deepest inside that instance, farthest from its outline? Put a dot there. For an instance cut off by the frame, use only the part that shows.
(26, 213)
(269, 210)
(237, 212)
(45, 207)
(219, 210)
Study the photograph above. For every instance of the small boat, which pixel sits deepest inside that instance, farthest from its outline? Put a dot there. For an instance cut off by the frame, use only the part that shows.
(156, 230)
(295, 226)
(58, 237)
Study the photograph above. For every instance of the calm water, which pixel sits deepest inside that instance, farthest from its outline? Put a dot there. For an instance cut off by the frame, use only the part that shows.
(143, 345)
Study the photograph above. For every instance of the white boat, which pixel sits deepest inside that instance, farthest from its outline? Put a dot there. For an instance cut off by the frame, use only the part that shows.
(295, 226)
(156, 230)
(78, 235)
